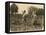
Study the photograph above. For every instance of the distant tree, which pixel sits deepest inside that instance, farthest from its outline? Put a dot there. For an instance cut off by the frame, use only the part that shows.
(14, 8)
(40, 12)
(32, 9)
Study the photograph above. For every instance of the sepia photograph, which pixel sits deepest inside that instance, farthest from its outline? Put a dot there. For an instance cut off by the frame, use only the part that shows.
(26, 17)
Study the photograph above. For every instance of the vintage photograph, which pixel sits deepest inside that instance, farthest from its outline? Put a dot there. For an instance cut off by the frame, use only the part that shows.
(26, 17)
